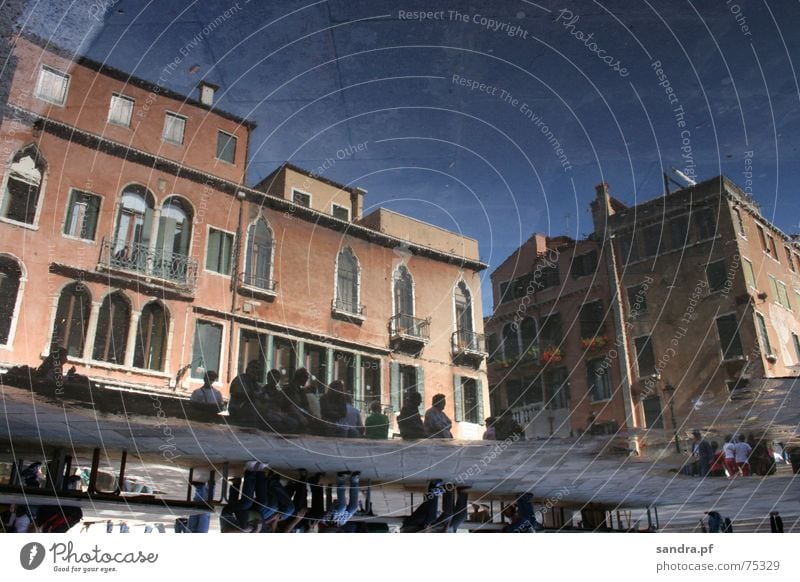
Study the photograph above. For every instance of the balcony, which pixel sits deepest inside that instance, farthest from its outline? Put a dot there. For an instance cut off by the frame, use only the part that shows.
(468, 347)
(347, 310)
(409, 332)
(154, 265)
(251, 285)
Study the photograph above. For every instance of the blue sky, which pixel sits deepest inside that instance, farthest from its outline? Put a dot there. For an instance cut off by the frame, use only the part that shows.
(320, 76)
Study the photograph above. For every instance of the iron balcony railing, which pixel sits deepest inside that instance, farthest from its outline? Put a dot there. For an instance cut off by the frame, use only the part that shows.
(466, 342)
(174, 268)
(253, 281)
(404, 326)
(347, 307)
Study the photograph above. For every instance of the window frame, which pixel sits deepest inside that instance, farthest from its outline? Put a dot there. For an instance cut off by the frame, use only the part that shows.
(636, 313)
(232, 234)
(726, 357)
(639, 374)
(723, 283)
(591, 368)
(16, 308)
(303, 193)
(164, 138)
(749, 268)
(222, 339)
(763, 335)
(334, 205)
(235, 144)
(67, 211)
(741, 231)
(470, 414)
(41, 97)
(121, 97)
(359, 311)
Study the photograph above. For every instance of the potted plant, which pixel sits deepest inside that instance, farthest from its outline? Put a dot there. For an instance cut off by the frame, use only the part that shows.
(552, 354)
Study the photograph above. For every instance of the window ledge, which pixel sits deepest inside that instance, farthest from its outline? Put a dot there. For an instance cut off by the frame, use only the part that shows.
(118, 367)
(88, 241)
(354, 317)
(604, 401)
(25, 225)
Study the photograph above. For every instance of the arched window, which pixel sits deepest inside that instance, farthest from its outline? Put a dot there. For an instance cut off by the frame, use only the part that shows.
(72, 319)
(510, 340)
(151, 337)
(172, 244)
(111, 335)
(10, 277)
(527, 334)
(258, 262)
(403, 292)
(23, 186)
(463, 306)
(347, 298)
(132, 233)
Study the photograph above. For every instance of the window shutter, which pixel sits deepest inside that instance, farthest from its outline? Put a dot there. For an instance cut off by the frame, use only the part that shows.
(394, 386)
(421, 388)
(269, 356)
(300, 352)
(357, 388)
(479, 399)
(90, 221)
(213, 250)
(458, 399)
(329, 366)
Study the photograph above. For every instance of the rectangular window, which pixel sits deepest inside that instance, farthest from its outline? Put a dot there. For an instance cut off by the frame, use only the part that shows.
(653, 415)
(344, 370)
(218, 253)
(773, 287)
(252, 346)
(637, 300)
(592, 318)
(730, 342)
(469, 393)
(174, 128)
(652, 239)
(705, 223)
(598, 380)
(773, 249)
(301, 198)
(584, 265)
(796, 342)
(790, 260)
(716, 275)
(206, 349)
(762, 236)
(226, 147)
(504, 294)
(120, 110)
(749, 274)
(549, 277)
(52, 86)
(783, 296)
(340, 212)
(679, 232)
(763, 334)
(645, 356)
(739, 223)
(550, 333)
(82, 214)
(284, 357)
(371, 379)
(316, 361)
(557, 388)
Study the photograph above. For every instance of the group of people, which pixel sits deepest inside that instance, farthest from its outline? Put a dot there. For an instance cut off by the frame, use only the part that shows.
(263, 503)
(304, 405)
(436, 424)
(739, 456)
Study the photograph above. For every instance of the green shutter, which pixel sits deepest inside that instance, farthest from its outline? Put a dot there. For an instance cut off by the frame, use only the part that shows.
(357, 389)
(92, 213)
(227, 249)
(300, 353)
(394, 386)
(212, 254)
(479, 389)
(269, 355)
(329, 366)
(458, 399)
(421, 387)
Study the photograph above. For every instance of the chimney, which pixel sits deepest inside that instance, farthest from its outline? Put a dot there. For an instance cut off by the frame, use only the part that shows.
(601, 207)
(207, 91)
(357, 203)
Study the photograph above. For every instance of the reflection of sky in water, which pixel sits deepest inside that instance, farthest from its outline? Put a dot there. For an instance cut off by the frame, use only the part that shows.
(320, 76)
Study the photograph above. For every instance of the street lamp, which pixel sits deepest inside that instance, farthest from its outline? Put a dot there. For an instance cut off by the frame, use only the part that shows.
(669, 393)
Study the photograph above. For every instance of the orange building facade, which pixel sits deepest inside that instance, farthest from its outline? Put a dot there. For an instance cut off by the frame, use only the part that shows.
(130, 238)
